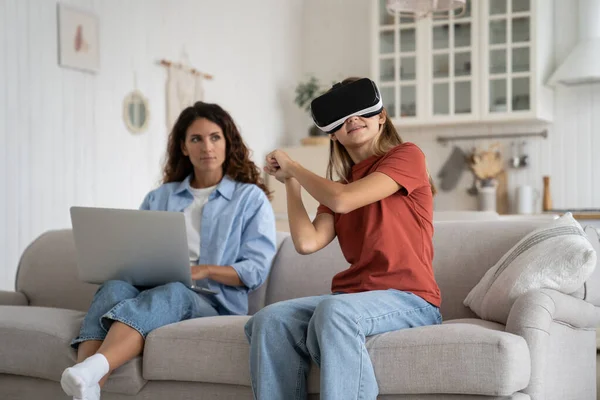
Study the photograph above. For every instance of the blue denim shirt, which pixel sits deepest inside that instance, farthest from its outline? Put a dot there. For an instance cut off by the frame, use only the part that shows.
(237, 230)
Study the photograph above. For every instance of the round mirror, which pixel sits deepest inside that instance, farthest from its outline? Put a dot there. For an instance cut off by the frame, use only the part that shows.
(136, 112)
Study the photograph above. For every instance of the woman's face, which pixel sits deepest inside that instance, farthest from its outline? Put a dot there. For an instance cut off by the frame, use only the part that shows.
(205, 145)
(358, 131)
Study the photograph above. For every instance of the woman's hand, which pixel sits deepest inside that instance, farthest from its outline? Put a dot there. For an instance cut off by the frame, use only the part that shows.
(278, 164)
(200, 272)
(226, 275)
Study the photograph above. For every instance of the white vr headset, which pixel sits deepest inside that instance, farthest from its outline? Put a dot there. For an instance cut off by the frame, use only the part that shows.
(330, 110)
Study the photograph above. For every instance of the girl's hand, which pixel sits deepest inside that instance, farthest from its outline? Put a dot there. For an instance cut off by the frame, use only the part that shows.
(278, 165)
(279, 159)
(278, 173)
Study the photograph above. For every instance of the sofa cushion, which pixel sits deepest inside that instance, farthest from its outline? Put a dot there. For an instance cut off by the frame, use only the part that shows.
(48, 273)
(35, 342)
(556, 256)
(463, 356)
(211, 349)
(294, 275)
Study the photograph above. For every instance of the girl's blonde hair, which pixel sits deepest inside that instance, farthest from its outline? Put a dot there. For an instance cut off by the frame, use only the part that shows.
(340, 161)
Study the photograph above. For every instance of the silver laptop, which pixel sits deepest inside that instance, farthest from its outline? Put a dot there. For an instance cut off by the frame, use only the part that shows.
(144, 248)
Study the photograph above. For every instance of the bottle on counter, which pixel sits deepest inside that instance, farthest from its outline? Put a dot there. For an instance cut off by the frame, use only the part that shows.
(547, 196)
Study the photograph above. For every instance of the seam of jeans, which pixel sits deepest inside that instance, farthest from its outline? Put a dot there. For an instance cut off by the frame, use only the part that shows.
(252, 381)
(128, 322)
(116, 307)
(102, 325)
(402, 312)
(111, 315)
(315, 358)
(361, 343)
(80, 339)
(299, 343)
(360, 394)
(299, 378)
(113, 310)
(89, 325)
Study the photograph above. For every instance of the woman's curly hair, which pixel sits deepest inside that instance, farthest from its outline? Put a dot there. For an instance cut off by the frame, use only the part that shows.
(237, 165)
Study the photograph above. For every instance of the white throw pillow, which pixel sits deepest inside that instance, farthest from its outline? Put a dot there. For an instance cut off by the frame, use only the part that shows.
(557, 256)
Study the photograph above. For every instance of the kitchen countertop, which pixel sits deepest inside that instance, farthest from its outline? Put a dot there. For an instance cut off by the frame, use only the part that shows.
(578, 213)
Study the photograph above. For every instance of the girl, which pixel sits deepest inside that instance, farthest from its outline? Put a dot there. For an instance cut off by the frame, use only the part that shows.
(231, 235)
(381, 212)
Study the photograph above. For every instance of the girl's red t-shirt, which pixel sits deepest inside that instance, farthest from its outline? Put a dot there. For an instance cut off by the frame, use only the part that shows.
(389, 243)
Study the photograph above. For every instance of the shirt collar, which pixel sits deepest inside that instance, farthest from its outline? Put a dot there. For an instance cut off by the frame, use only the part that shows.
(225, 188)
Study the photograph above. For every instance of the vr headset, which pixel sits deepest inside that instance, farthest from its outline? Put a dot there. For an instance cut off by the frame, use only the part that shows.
(330, 110)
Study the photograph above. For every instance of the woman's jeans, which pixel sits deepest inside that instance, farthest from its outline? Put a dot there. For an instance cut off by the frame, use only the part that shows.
(330, 330)
(143, 310)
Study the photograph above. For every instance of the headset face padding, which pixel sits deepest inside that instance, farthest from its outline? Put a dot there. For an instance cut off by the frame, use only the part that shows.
(330, 110)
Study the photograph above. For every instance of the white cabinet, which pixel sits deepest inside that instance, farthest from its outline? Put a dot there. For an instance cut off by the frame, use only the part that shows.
(452, 65)
(516, 59)
(486, 64)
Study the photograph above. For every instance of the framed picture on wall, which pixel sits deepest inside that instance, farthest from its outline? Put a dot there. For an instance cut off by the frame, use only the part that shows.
(78, 44)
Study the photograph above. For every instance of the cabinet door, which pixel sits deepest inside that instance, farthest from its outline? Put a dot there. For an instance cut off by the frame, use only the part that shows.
(453, 65)
(396, 63)
(507, 67)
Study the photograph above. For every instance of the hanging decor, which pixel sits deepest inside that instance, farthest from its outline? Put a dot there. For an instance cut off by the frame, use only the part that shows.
(184, 88)
(423, 8)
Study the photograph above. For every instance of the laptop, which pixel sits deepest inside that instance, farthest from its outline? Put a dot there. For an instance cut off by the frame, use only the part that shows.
(144, 248)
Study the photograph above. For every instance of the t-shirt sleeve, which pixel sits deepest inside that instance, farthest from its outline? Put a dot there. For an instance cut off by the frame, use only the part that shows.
(323, 209)
(405, 164)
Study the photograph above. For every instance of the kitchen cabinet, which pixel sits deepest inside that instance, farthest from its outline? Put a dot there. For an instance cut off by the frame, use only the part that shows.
(488, 64)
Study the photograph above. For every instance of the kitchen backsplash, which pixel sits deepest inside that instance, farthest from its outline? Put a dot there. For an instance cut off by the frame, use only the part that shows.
(570, 155)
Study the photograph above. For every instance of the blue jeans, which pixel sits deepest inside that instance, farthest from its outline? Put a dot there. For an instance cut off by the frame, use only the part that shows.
(143, 310)
(330, 330)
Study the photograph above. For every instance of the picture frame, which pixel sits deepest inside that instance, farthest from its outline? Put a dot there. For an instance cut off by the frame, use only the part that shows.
(78, 39)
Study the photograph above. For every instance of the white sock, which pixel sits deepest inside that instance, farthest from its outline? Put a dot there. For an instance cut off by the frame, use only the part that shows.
(79, 379)
(90, 393)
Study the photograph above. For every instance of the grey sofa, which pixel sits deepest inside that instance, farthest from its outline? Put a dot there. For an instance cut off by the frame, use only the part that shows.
(546, 351)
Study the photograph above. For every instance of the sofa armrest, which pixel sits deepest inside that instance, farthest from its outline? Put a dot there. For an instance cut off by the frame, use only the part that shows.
(13, 299)
(550, 322)
(538, 308)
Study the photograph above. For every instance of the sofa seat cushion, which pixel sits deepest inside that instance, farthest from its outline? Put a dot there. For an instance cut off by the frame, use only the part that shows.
(211, 349)
(462, 356)
(467, 356)
(35, 342)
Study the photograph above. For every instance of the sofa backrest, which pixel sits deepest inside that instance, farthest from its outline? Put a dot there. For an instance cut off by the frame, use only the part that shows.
(464, 251)
(48, 275)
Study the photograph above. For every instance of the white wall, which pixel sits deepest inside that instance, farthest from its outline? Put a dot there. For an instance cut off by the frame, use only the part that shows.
(337, 39)
(336, 44)
(62, 140)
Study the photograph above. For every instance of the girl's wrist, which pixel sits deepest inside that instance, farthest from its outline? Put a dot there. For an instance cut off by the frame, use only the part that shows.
(292, 184)
(294, 166)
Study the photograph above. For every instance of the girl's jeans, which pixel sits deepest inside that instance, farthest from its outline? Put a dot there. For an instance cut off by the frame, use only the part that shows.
(330, 330)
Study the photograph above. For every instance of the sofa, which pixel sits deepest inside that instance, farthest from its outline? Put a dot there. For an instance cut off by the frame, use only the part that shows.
(546, 350)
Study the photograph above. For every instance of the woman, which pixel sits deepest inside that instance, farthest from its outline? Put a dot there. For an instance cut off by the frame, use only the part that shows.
(231, 236)
(381, 211)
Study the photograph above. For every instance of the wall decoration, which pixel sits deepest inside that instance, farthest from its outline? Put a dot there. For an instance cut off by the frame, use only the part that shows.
(184, 88)
(78, 42)
(136, 112)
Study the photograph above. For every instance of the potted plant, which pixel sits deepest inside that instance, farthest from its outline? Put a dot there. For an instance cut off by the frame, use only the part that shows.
(305, 93)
